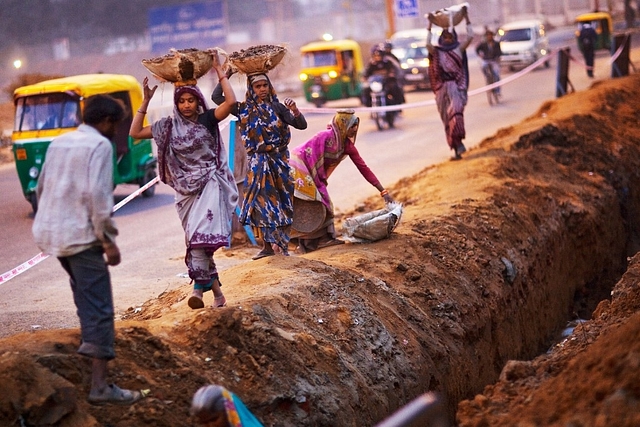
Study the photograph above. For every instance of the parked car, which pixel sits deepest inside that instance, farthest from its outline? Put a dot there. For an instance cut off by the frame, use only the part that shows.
(523, 43)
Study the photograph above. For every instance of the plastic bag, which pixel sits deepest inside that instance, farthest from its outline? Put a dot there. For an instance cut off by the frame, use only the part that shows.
(374, 225)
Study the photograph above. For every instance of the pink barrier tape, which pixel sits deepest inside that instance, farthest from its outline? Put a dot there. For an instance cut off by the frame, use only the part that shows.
(42, 256)
(514, 76)
(22, 268)
(506, 80)
(136, 193)
(610, 60)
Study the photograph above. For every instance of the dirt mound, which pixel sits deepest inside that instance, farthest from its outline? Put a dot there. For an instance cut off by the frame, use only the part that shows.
(492, 257)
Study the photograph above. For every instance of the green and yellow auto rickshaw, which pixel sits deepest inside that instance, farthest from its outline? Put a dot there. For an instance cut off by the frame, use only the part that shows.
(602, 23)
(51, 108)
(331, 70)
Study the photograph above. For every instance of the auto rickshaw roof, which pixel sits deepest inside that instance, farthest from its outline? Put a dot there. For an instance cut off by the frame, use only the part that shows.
(344, 44)
(84, 85)
(593, 16)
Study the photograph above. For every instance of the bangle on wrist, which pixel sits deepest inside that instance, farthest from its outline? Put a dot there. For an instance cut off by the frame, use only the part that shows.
(384, 193)
(142, 112)
(222, 77)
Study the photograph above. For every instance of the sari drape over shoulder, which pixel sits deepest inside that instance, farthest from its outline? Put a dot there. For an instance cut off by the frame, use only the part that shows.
(193, 161)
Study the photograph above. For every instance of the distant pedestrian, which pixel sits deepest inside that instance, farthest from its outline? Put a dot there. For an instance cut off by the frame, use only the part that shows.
(449, 78)
(588, 38)
(74, 224)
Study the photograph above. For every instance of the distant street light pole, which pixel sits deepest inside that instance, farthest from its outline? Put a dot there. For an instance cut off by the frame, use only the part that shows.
(390, 18)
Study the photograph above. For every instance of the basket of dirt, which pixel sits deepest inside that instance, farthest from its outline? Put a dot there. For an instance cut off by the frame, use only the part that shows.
(183, 66)
(257, 59)
(449, 16)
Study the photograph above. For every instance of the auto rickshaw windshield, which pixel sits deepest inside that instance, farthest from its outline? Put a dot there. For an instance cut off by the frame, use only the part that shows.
(47, 111)
(319, 58)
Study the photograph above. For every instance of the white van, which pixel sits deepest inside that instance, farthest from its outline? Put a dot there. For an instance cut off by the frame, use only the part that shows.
(522, 43)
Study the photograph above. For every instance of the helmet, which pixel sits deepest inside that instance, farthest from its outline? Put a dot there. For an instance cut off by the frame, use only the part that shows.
(377, 49)
(387, 45)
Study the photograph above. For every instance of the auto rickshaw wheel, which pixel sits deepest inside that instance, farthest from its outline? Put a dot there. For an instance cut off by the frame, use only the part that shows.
(33, 200)
(149, 175)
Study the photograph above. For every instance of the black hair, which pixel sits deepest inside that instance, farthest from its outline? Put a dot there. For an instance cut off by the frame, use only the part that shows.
(99, 107)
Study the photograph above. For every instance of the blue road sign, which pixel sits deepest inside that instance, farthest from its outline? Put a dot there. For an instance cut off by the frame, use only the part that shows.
(191, 25)
(407, 8)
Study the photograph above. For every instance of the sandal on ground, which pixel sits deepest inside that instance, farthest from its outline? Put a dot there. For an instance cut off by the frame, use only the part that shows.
(332, 242)
(114, 395)
(195, 301)
(219, 302)
(263, 254)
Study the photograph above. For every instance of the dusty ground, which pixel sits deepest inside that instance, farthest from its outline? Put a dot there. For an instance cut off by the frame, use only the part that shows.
(494, 254)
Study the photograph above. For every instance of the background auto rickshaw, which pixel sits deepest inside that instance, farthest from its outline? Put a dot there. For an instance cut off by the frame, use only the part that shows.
(602, 23)
(53, 107)
(331, 70)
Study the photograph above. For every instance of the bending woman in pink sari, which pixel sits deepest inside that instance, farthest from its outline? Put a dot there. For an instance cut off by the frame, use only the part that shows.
(312, 164)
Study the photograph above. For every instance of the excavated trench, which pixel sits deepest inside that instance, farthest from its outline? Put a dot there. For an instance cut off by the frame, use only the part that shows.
(533, 231)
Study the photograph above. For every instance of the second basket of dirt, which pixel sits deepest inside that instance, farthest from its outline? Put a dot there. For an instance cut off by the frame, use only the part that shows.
(182, 66)
(257, 59)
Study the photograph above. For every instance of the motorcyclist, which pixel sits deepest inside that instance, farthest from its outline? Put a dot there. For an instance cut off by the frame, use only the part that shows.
(389, 55)
(378, 65)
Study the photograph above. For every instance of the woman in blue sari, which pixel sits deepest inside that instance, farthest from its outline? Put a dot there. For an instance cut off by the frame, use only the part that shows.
(268, 187)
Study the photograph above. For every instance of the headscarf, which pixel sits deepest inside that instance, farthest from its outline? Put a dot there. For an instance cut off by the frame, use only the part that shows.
(342, 122)
(256, 78)
(210, 399)
(259, 123)
(446, 47)
(193, 90)
(182, 136)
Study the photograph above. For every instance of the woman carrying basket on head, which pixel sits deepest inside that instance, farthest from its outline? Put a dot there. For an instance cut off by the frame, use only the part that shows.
(192, 160)
(268, 188)
(449, 78)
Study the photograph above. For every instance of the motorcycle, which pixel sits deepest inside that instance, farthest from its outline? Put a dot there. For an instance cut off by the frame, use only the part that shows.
(381, 97)
(317, 93)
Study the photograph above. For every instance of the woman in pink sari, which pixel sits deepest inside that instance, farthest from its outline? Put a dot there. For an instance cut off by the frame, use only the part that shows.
(312, 164)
